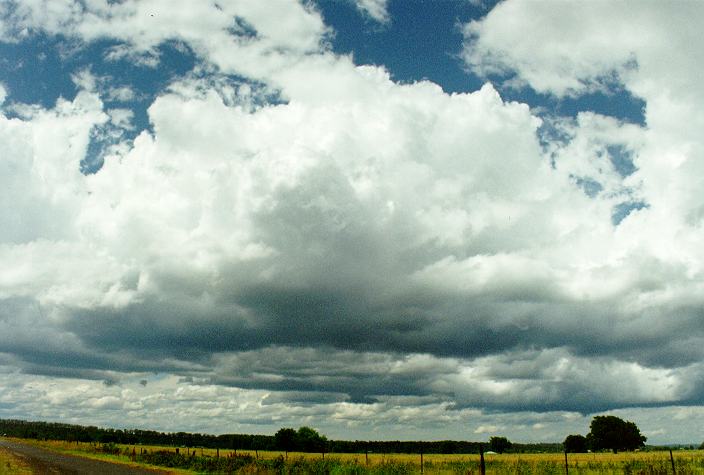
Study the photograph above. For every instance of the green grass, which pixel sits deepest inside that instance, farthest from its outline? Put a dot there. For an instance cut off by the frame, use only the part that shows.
(11, 465)
(246, 462)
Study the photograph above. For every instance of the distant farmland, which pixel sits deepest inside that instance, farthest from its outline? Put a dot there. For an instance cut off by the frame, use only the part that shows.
(205, 460)
(241, 453)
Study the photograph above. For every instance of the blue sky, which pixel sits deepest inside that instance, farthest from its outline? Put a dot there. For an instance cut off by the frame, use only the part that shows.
(380, 218)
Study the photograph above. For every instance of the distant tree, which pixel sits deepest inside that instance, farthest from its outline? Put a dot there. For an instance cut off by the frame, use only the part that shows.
(575, 443)
(499, 444)
(613, 433)
(285, 439)
(309, 440)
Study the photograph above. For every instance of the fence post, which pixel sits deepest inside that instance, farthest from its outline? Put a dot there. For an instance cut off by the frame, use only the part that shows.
(672, 461)
(366, 457)
(421, 462)
(567, 467)
(482, 465)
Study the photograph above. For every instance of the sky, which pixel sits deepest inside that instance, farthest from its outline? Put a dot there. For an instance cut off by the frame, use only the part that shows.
(384, 219)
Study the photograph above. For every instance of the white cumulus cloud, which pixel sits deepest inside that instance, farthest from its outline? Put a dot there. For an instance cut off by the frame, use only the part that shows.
(376, 9)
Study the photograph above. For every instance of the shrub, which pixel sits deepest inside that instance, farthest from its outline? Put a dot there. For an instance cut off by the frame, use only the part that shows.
(109, 448)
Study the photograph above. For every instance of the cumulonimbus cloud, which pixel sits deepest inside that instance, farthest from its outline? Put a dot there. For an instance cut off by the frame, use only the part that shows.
(357, 221)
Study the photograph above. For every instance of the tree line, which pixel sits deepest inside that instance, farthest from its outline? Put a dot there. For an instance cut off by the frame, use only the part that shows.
(606, 433)
(71, 432)
(304, 439)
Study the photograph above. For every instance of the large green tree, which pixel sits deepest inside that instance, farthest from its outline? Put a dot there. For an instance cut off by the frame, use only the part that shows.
(309, 440)
(285, 439)
(304, 439)
(575, 443)
(499, 444)
(613, 433)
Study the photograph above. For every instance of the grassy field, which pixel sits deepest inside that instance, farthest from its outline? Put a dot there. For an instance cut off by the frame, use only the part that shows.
(11, 465)
(656, 462)
(265, 462)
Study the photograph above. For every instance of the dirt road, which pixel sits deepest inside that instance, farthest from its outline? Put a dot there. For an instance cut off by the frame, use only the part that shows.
(51, 463)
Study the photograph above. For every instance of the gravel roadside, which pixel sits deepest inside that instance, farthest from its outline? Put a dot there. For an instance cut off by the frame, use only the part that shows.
(44, 461)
